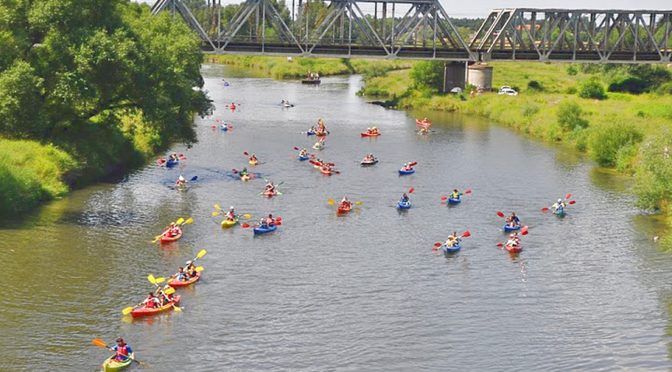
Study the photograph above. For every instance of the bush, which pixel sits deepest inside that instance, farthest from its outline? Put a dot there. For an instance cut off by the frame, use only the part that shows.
(571, 90)
(627, 84)
(535, 85)
(530, 109)
(572, 70)
(608, 140)
(428, 74)
(592, 88)
(665, 88)
(570, 116)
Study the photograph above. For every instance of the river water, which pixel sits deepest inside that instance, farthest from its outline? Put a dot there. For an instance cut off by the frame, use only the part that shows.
(360, 292)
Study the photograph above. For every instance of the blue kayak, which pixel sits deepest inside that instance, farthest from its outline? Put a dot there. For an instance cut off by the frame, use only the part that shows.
(454, 201)
(263, 230)
(404, 205)
(405, 172)
(303, 158)
(171, 163)
(224, 127)
(560, 212)
(508, 228)
(446, 249)
(310, 133)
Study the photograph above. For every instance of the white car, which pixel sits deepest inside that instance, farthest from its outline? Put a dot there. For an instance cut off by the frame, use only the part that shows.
(456, 90)
(508, 91)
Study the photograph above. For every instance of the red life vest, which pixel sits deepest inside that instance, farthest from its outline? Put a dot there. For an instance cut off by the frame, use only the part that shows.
(122, 352)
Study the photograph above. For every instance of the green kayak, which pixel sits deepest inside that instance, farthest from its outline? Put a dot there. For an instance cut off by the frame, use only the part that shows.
(112, 365)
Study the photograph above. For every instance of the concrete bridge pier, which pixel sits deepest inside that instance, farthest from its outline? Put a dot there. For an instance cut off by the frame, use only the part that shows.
(454, 75)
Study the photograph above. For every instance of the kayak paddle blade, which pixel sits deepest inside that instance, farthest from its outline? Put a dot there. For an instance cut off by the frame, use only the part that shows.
(500, 214)
(201, 253)
(189, 221)
(100, 343)
(169, 291)
(199, 269)
(569, 195)
(179, 221)
(151, 279)
(466, 234)
(331, 202)
(127, 310)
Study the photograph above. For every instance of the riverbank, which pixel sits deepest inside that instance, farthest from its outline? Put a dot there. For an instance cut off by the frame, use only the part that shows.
(626, 132)
(298, 67)
(95, 101)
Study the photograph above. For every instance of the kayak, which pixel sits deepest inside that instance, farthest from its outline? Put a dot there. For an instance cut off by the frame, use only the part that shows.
(224, 127)
(245, 177)
(112, 365)
(422, 123)
(270, 194)
(183, 283)
(367, 163)
(559, 212)
(447, 250)
(168, 239)
(367, 134)
(229, 223)
(512, 249)
(253, 162)
(403, 172)
(454, 201)
(342, 209)
(404, 205)
(144, 311)
(310, 133)
(303, 158)
(325, 171)
(508, 228)
(171, 163)
(263, 230)
(318, 146)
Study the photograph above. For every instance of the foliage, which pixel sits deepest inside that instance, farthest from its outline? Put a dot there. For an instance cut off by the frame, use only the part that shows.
(570, 116)
(653, 180)
(428, 75)
(627, 84)
(592, 88)
(665, 88)
(572, 70)
(535, 85)
(609, 142)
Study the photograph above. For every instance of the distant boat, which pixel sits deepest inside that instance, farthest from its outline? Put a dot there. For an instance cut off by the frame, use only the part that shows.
(311, 81)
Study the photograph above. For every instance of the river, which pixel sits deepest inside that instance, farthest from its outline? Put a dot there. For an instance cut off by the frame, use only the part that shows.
(359, 292)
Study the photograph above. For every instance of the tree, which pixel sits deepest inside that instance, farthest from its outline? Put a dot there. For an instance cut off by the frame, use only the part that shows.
(592, 88)
(428, 74)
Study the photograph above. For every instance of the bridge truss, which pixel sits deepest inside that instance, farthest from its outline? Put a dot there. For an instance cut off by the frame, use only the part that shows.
(338, 28)
(599, 36)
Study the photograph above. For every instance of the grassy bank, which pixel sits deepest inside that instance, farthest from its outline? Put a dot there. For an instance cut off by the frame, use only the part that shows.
(631, 133)
(282, 68)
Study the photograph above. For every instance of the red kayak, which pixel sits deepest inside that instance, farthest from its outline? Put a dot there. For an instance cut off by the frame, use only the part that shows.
(270, 194)
(344, 208)
(368, 134)
(514, 249)
(423, 123)
(147, 311)
(167, 239)
(325, 171)
(183, 283)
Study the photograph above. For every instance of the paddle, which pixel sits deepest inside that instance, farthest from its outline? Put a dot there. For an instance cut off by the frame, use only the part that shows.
(170, 291)
(500, 214)
(199, 269)
(200, 254)
(438, 245)
(194, 178)
(100, 343)
(569, 195)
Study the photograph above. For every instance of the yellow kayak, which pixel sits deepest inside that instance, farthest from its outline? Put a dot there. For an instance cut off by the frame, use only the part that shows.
(112, 365)
(253, 162)
(229, 223)
(245, 177)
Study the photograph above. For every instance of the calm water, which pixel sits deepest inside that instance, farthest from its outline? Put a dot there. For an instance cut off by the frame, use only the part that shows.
(361, 292)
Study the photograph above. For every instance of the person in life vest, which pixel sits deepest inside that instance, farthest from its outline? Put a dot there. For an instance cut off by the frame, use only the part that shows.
(303, 153)
(270, 188)
(233, 106)
(151, 301)
(559, 206)
(345, 202)
(231, 214)
(122, 349)
(181, 181)
(181, 275)
(190, 269)
(374, 130)
(165, 298)
(455, 194)
(270, 221)
(253, 158)
(513, 220)
(173, 157)
(514, 240)
(404, 198)
(452, 240)
(172, 230)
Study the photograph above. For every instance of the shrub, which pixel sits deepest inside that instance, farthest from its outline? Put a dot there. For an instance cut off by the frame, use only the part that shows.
(570, 116)
(572, 70)
(529, 109)
(571, 90)
(653, 179)
(592, 88)
(607, 140)
(535, 85)
(627, 84)
(665, 88)
(428, 74)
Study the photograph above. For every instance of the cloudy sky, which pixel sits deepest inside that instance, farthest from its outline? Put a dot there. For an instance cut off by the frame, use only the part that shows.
(481, 8)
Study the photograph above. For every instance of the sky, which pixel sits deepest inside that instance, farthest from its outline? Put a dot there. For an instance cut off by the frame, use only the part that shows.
(481, 8)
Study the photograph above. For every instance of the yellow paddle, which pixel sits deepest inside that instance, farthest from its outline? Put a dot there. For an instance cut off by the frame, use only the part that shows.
(247, 216)
(331, 202)
(216, 213)
(199, 269)
(170, 291)
(359, 202)
(127, 310)
(189, 221)
(151, 279)
(200, 254)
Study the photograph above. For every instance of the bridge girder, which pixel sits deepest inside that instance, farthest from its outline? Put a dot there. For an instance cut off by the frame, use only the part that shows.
(581, 35)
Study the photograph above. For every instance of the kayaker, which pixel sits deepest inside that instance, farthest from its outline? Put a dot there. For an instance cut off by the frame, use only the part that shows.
(263, 223)
(151, 301)
(231, 214)
(560, 205)
(270, 187)
(253, 158)
(173, 157)
(374, 130)
(452, 240)
(164, 297)
(181, 275)
(404, 198)
(181, 181)
(345, 202)
(190, 269)
(269, 220)
(244, 172)
(514, 240)
(513, 220)
(122, 350)
(455, 194)
(303, 153)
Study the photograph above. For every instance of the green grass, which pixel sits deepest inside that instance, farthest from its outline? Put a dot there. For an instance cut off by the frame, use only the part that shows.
(31, 172)
(281, 68)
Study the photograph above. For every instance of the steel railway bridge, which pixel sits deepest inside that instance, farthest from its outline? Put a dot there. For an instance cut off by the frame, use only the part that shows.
(421, 29)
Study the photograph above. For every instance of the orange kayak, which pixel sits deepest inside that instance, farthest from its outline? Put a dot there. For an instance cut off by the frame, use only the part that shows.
(168, 239)
(342, 209)
(183, 283)
(146, 311)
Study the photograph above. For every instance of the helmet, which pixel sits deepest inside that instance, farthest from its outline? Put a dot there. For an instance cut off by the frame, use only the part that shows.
(511, 236)
(181, 178)
(189, 262)
(231, 208)
(559, 200)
